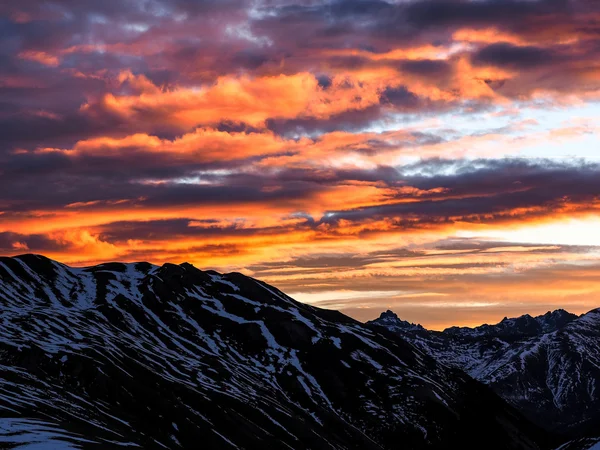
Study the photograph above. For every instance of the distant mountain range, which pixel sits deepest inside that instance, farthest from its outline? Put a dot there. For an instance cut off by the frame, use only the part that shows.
(548, 367)
(137, 355)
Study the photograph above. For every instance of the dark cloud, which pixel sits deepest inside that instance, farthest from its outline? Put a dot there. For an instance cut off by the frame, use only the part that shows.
(485, 191)
(351, 121)
(54, 180)
(519, 57)
(162, 230)
(427, 67)
(31, 131)
(439, 13)
(333, 261)
(400, 98)
(249, 59)
(440, 191)
(324, 81)
(25, 243)
(236, 127)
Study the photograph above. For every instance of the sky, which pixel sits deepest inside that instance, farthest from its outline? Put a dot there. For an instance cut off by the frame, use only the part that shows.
(439, 158)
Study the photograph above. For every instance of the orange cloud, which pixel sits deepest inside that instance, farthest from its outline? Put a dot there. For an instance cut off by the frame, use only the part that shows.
(244, 99)
(40, 57)
(201, 145)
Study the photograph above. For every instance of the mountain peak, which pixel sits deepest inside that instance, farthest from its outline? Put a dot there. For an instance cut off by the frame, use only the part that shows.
(388, 315)
(391, 320)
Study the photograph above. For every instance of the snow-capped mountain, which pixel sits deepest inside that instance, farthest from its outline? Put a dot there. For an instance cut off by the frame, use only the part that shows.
(548, 367)
(136, 355)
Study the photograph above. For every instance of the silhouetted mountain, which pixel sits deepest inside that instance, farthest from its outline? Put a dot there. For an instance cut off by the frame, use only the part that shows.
(517, 328)
(394, 323)
(548, 366)
(175, 357)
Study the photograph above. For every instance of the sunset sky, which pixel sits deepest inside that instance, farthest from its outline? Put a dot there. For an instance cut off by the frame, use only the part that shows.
(437, 158)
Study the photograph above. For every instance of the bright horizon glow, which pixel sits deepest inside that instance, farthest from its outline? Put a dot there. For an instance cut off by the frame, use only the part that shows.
(583, 232)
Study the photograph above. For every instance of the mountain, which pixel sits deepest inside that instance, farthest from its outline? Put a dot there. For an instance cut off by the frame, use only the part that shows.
(392, 322)
(136, 355)
(548, 367)
(521, 327)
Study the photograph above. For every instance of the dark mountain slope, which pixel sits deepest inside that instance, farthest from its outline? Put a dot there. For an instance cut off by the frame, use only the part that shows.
(173, 357)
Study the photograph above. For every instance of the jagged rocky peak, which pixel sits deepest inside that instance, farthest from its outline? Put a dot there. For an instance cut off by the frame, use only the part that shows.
(557, 319)
(546, 323)
(389, 316)
(517, 327)
(391, 319)
(523, 325)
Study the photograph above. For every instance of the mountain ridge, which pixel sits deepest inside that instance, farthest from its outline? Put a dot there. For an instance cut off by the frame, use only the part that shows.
(546, 366)
(390, 315)
(168, 356)
(546, 323)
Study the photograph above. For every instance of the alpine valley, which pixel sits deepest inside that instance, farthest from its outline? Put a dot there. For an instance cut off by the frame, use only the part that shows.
(137, 355)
